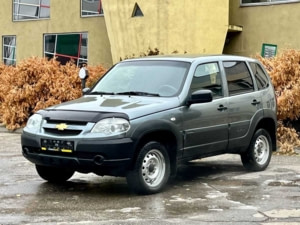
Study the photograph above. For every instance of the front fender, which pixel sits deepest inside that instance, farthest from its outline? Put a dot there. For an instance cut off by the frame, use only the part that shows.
(160, 125)
(160, 129)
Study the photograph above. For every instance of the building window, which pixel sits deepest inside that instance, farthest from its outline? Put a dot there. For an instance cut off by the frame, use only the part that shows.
(137, 11)
(31, 9)
(9, 50)
(265, 2)
(91, 8)
(66, 47)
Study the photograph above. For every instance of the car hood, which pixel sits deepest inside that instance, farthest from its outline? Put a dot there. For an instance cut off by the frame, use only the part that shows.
(132, 106)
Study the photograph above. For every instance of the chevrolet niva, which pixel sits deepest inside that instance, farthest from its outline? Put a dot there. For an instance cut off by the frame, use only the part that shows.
(146, 116)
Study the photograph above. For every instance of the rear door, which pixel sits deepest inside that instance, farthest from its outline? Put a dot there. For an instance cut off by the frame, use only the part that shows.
(244, 103)
(206, 124)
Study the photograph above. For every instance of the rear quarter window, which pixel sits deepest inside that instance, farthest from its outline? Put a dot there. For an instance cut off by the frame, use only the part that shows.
(261, 77)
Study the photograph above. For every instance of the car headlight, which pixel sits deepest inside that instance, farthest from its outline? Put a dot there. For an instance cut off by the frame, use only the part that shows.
(34, 123)
(111, 126)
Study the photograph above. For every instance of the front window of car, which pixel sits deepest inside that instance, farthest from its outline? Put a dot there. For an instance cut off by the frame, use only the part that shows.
(208, 76)
(147, 78)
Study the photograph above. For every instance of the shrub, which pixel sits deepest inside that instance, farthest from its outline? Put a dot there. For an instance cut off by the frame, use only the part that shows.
(36, 83)
(284, 71)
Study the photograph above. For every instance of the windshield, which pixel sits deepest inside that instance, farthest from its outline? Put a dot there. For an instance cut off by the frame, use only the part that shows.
(148, 78)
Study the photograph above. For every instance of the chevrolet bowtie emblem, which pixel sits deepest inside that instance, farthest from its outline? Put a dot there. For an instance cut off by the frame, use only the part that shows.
(61, 126)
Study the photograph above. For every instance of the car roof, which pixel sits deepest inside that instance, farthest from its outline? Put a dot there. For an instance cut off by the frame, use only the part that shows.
(192, 58)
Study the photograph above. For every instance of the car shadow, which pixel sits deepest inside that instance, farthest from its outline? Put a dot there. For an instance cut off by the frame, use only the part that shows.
(207, 170)
(92, 185)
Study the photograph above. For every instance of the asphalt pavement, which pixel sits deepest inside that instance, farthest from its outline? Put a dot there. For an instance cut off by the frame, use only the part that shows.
(216, 190)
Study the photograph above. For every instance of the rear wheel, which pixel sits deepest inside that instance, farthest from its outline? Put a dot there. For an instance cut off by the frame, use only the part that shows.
(258, 155)
(151, 171)
(53, 174)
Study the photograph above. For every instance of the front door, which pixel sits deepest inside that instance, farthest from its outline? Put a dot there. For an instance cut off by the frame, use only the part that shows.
(206, 124)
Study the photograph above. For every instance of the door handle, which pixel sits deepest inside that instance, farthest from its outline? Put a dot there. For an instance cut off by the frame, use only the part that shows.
(222, 108)
(255, 102)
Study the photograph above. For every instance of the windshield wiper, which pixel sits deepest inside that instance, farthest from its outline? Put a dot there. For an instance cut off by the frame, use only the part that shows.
(101, 93)
(138, 93)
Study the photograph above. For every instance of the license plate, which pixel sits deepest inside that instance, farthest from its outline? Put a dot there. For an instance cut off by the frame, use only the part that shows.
(57, 146)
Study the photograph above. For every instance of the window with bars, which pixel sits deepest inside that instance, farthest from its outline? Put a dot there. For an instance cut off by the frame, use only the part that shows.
(265, 2)
(91, 8)
(31, 9)
(9, 50)
(66, 47)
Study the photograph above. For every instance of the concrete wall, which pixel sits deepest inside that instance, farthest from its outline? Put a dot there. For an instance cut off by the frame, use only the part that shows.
(272, 24)
(192, 26)
(64, 18)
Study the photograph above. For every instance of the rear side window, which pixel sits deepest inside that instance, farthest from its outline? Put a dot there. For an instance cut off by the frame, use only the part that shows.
(260, 76)
(238, 77)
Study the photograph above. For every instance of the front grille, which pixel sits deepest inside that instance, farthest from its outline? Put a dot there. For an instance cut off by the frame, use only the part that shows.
(62, 132)
(64, 128)
(75, 123)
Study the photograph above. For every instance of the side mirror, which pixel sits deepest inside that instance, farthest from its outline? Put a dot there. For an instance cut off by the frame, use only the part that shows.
(83, 73)
(200, 96)
(86, 91)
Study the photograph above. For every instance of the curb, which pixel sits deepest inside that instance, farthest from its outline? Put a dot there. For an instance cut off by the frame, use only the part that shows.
(3, 129)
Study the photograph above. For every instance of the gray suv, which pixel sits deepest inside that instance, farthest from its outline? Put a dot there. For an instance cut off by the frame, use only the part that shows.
(146, 116)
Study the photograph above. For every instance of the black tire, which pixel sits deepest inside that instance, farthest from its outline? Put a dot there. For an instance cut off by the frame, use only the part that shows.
(151, 171)
(259, 153)
(53, 174)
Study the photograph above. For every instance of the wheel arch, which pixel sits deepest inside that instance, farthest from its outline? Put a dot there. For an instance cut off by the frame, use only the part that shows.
(270, 126)
(163, 133)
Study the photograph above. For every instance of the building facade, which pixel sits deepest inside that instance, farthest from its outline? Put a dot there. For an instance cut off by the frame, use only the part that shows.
(68, 29)
(107, 31)
(265, 23)
(182, 26)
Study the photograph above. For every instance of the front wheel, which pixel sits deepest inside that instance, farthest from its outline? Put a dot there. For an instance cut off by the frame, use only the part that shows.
(53, 174)
(151, 170)
(258, 155)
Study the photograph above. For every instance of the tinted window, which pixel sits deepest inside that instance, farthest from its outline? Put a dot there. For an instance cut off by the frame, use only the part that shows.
(207, 76)
(238, 78)
(260, 76)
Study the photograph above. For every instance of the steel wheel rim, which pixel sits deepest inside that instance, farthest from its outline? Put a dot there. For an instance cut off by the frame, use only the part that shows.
(261, 150)
(153, 168)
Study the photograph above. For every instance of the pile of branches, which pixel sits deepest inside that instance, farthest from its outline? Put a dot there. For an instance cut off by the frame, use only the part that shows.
(36, 83)
(284, 71)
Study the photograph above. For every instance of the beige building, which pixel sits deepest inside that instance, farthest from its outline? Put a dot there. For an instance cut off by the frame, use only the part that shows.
(105, 32)
(68, 29)
(265, 23)
(190, 26)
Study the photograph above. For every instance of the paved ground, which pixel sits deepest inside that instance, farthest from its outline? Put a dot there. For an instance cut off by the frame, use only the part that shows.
(216, 190)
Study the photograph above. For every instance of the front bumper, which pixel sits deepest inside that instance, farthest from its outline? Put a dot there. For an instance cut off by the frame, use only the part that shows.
(103, 157)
